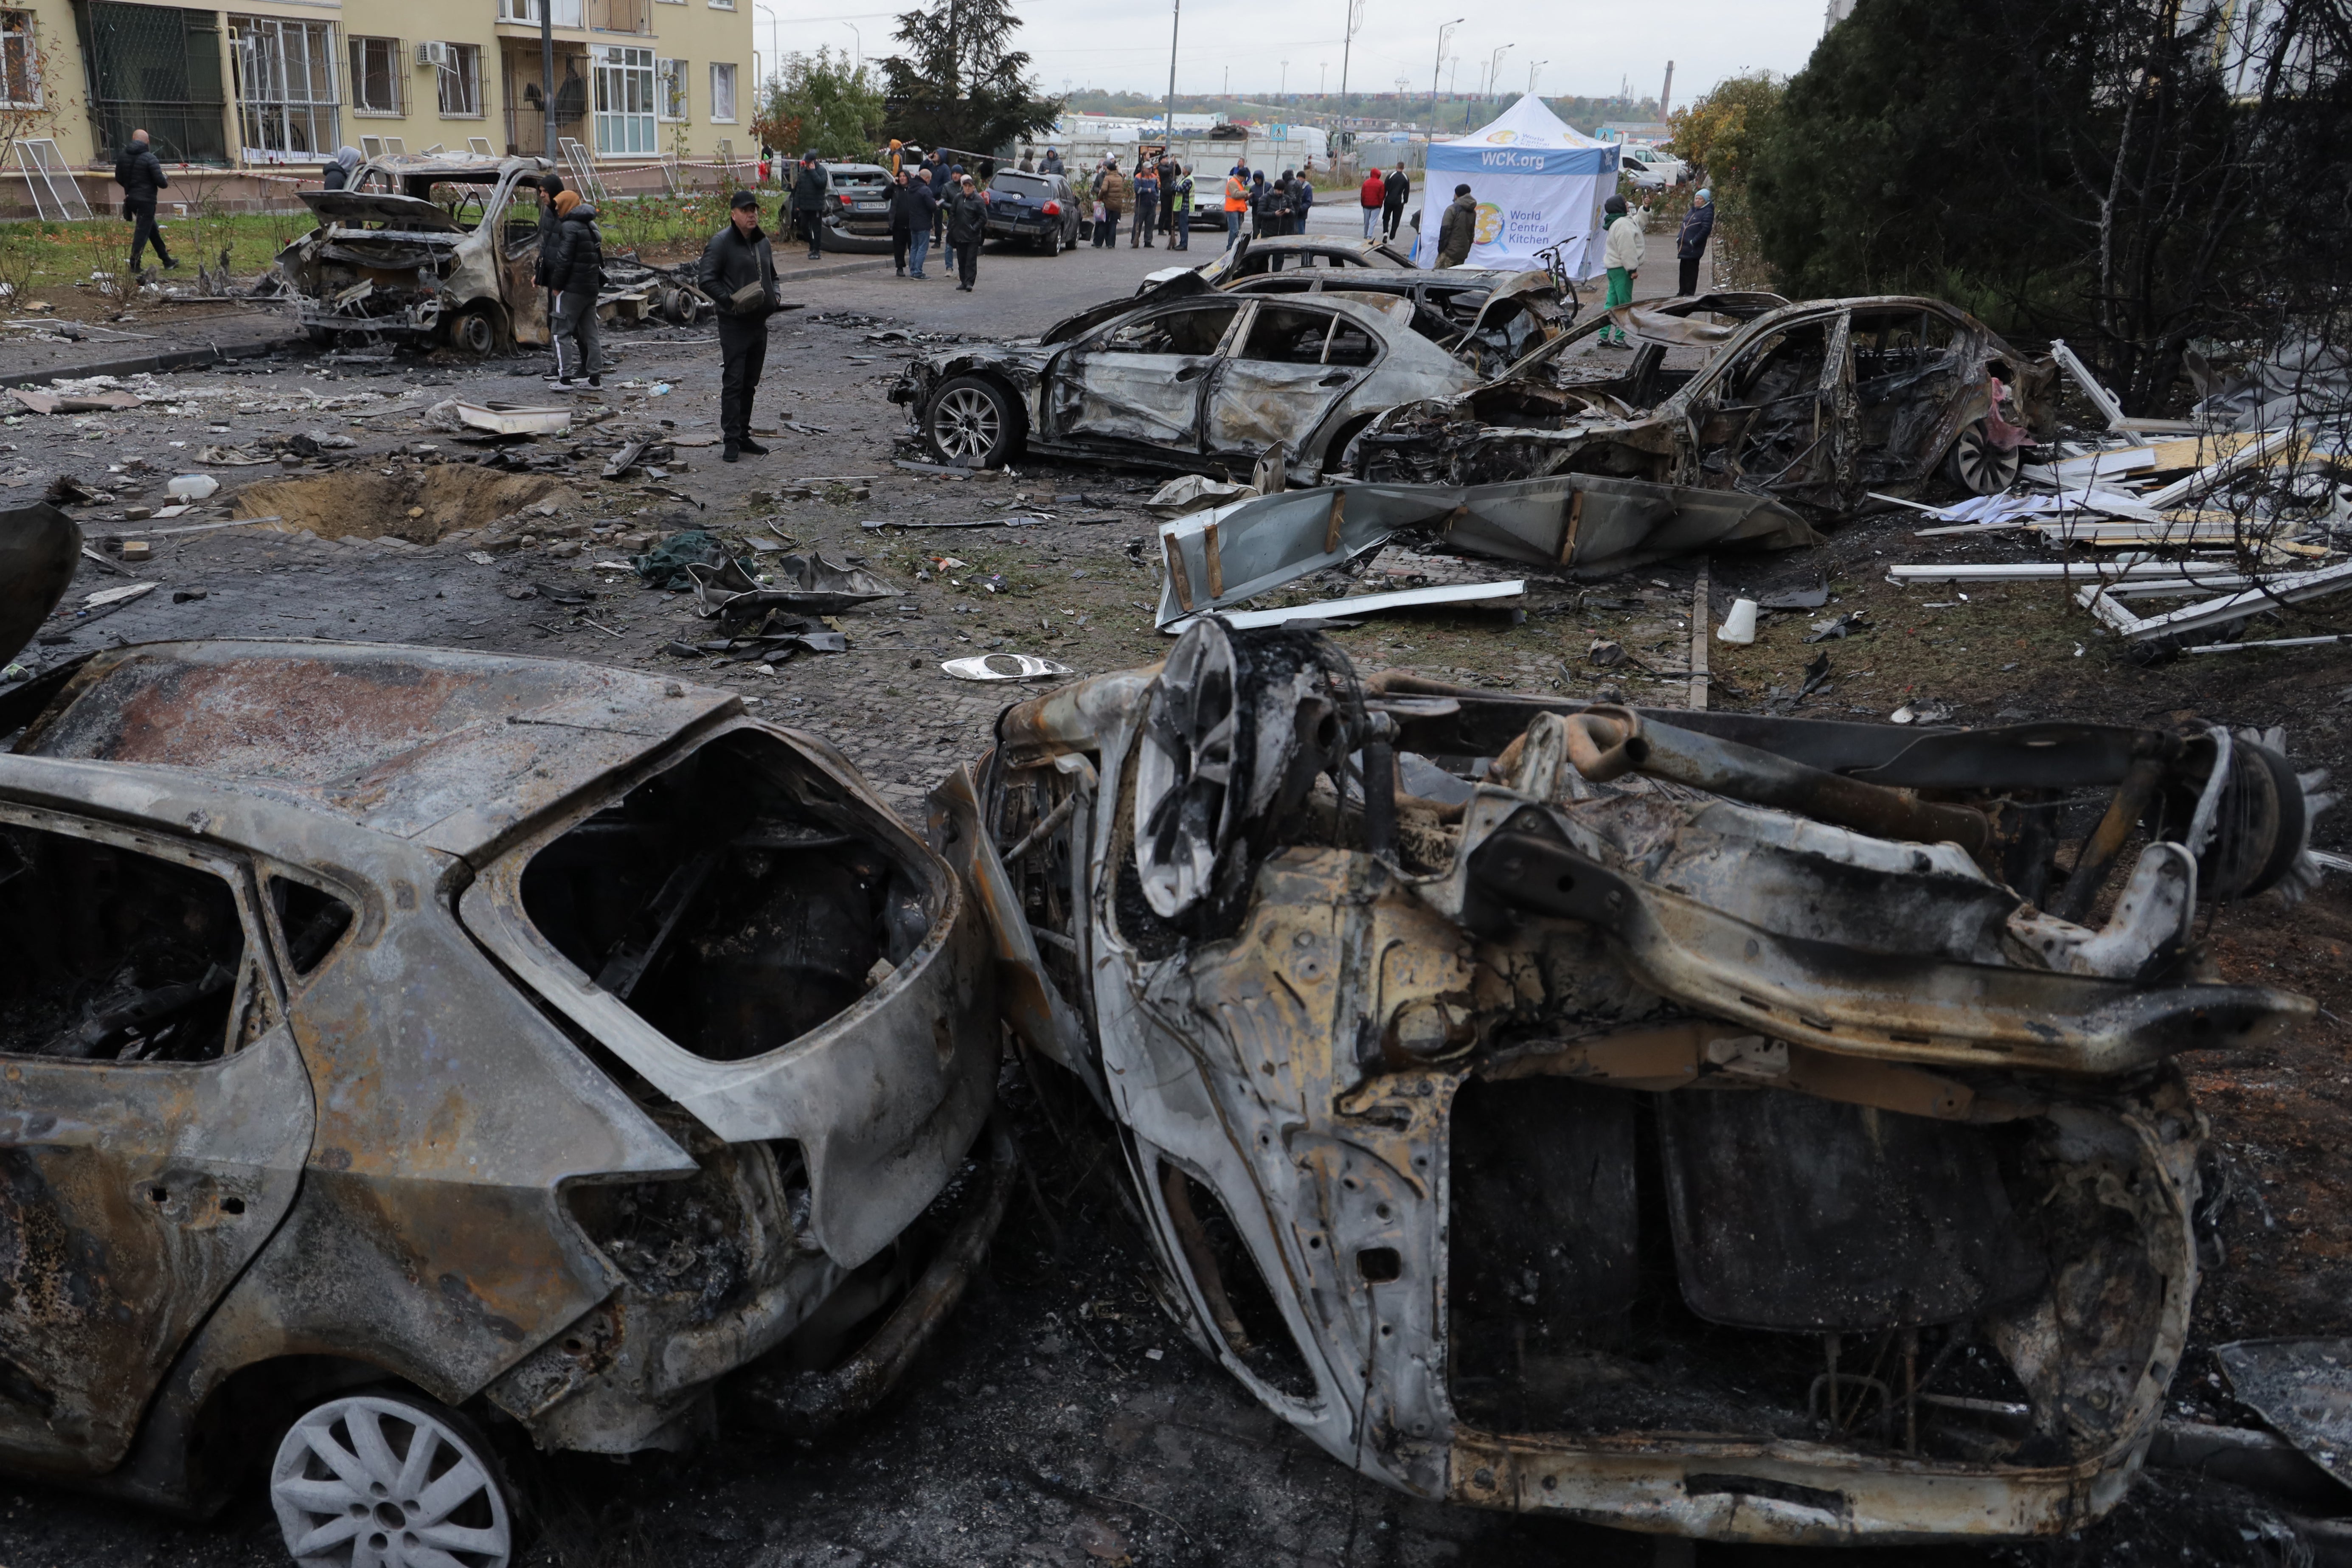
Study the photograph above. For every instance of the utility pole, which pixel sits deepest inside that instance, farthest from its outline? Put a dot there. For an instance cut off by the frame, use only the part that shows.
(1435, 69)
(547, 70)
(1175, 23)
(1346, 46)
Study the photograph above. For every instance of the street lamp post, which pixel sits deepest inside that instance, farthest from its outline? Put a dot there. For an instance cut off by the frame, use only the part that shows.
(1495, 73)
(1439, 66)
(1533, 66)
(1175, 21)
(860, 60)
(1346, 46)
(775, 60)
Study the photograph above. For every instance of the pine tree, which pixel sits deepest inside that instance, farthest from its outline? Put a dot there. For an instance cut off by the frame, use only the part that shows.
(960, 85)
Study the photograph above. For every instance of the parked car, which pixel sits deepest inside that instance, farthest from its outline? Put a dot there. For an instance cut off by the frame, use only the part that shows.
(406, 1044)
(424, 246)
(1038, 210)
(1708, 1124)
(1817, 402)
(1188, 378)
(856, 216)
(1651, 168)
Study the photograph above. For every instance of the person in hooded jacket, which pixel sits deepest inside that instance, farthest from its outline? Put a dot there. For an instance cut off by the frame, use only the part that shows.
(738, 271)
(1457, 231)
(1302, 201)
(140, 174)
(1621, 255)
(1370, 197)
(337, 175)
(575, 272)
(1698, 224)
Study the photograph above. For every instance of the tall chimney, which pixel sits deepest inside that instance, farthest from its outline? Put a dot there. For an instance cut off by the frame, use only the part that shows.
(1666, 93)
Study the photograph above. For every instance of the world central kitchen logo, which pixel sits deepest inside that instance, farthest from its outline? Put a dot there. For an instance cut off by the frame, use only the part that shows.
(1511, 160)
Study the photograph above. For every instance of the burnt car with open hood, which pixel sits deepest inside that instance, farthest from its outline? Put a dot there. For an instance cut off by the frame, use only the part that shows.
(409, 1049)
(1699, 1122)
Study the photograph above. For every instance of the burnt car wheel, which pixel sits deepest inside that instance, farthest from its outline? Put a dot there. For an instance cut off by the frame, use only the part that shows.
(394, 1480)
(474, 331)
(1978, 466)
(972, 421)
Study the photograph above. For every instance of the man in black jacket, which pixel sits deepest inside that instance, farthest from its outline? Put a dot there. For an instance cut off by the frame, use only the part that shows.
(967, 226)
(739, 272)
(1392, 199)
(575, 272)
(140, 174)
(810, 188)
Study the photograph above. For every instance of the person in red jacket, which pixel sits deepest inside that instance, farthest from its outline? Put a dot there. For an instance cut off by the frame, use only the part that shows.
(1374, 193)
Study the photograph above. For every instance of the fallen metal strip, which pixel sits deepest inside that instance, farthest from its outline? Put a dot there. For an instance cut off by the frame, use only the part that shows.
(1368, 604)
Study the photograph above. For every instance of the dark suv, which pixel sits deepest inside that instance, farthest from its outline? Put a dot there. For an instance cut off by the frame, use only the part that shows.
(1037, 208)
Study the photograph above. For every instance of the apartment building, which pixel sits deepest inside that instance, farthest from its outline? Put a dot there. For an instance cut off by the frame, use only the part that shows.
(286, 82)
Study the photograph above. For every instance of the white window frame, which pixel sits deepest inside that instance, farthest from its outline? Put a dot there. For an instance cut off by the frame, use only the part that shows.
(672, 102)
(732, 77)
(621, 78)
(396, 74)
(568, 12)
(20, 58)
(460, 55)
(268, 82)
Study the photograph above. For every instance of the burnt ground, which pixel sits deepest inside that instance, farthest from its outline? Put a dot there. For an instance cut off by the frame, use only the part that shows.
(1060, 1417)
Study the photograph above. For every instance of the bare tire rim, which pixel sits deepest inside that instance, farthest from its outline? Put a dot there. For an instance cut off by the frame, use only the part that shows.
(966, 423)
(366, 1480)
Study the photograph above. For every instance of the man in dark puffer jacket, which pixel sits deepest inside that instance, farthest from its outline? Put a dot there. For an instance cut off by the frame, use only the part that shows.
(140, 174)
(575, 273)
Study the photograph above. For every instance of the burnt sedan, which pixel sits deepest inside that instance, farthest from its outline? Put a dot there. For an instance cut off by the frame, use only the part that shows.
(1699, 1122)
(1193, 379)
(1816, 401)
(405, 1046)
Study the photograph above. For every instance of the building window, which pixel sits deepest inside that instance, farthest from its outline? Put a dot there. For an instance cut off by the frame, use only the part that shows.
(722, 94)
(567, 12)
(20, 72)
(160, 69)
(624, 101)
(461, 82)
(286, 82)
(670, 86)
(378, 71)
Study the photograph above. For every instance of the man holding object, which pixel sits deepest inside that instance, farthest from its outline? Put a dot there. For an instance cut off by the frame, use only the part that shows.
(739, 272)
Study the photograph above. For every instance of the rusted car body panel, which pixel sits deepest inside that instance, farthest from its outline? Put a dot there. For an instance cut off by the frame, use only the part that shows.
(502, 1185)
(1701, 1123)
(1816, 401)
(389, 259)
(1189, 378)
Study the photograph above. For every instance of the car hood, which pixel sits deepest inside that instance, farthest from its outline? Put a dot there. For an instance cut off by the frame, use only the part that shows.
(447, 749)
(380, 206)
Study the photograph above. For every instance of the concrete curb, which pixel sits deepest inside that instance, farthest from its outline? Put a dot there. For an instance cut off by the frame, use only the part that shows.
(156, 364)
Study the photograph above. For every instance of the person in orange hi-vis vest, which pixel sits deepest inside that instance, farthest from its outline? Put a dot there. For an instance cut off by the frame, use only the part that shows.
(1237, 202)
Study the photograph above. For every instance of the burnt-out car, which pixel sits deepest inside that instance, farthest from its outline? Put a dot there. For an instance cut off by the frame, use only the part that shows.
(1189, 378)
(423, 247)
(1697, 1122)
(1818, 402)
(857, 212)
(406, 1046)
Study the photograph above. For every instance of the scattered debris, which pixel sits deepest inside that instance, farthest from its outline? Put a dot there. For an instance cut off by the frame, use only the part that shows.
(1006, 667)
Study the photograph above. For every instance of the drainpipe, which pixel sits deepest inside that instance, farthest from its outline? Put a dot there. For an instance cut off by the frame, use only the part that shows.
(547, 70)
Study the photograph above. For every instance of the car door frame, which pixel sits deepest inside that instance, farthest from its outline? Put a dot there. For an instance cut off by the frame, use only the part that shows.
(1827, 477)
(1056, 375)
(1230, 354)
(182, 1172)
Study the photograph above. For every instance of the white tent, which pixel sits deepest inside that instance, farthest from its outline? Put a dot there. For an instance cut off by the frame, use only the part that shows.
(1538, 181)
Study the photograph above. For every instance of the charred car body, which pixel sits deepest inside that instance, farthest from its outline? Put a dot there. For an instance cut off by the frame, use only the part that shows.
(1816, 402)
(404, 1041)
(423, 247)
(1204, 382)
(1700, 1122)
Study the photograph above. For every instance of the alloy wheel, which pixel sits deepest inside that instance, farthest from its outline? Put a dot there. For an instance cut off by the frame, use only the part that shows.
(967, 423)
(1982, 467)
(373, 1481)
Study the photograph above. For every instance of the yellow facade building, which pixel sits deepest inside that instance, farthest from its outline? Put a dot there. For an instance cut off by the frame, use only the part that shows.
(287, 82)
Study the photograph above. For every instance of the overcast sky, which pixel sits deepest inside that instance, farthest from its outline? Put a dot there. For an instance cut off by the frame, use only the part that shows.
(1589, 46)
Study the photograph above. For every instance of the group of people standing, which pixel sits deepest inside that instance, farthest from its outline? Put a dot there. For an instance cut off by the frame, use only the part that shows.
(1383, 197)
(936, 202)
(1160, 197)
(1279, 206)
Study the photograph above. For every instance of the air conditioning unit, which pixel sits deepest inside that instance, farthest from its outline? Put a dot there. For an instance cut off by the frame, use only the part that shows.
(435, 54)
